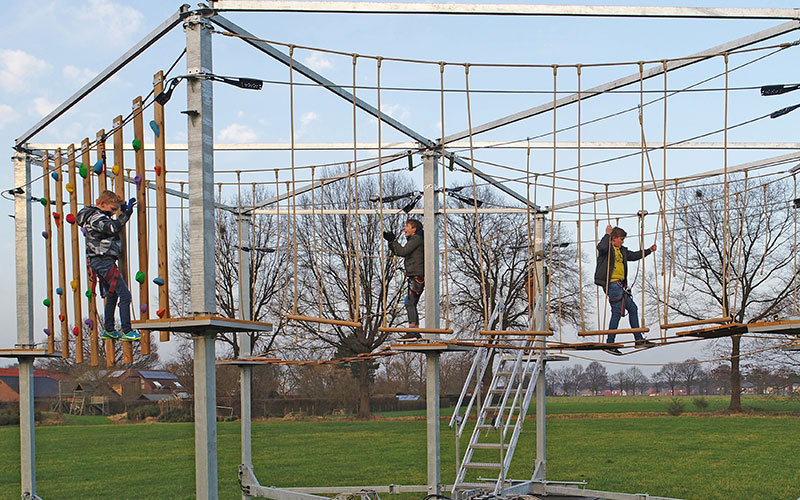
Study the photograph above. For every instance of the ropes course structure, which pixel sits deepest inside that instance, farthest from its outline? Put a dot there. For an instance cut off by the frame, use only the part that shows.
(505, 274)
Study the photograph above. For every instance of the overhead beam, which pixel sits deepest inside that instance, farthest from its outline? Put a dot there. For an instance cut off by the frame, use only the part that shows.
(39, 148)
(504, 9)
(107, 73)
(670, 183)
(628, 80)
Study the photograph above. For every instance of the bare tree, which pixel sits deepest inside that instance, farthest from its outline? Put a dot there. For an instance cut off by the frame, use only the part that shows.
(494, 272)
(620, 380)
(670, 374)
(739, 261)
(687, 372)
(596, 377)
(636, 379)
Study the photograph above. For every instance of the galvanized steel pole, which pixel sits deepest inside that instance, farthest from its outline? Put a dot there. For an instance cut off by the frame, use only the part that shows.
(24, 281)
(430, 177)
(539, 471)
(201, 248)
(245, 346)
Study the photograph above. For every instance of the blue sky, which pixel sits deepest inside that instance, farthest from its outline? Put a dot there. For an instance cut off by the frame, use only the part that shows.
(50, 48)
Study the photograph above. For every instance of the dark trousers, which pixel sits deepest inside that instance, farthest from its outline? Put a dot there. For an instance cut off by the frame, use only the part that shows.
(620, 299)
(416, 284)
(114, 289)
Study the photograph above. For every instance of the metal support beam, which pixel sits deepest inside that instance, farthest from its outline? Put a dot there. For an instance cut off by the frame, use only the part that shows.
(430, 176)
(24, 281)
(628, 80)
(540, 323)
(201, 249)
(245, 347)
(107, 73)
(505, 9)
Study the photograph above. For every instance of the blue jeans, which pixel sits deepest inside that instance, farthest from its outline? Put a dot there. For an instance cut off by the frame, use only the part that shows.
(619, 297)
(416, 284)
(102, 267)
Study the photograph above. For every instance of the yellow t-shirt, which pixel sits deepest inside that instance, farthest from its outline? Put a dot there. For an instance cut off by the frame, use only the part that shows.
(618, 274)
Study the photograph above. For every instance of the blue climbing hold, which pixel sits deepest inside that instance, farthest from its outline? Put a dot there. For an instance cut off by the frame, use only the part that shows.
(55, 176)
(98, 167)
(158, 281)
(59, 290)
(154, 126)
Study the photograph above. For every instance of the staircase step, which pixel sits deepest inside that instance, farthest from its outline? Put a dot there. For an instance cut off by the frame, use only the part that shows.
(482, 465)
(488, 446)
(461, 486)
(484, 426)
(502, 391)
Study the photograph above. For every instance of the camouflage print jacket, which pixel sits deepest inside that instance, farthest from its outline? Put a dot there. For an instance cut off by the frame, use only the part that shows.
(102, 232)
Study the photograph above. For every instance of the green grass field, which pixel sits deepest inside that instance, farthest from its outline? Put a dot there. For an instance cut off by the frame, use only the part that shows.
(699, 457)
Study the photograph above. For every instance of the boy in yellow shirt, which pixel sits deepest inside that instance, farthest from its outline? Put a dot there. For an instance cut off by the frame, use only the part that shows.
(612, 275)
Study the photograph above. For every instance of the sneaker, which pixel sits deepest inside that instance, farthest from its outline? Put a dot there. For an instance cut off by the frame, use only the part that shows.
(613, 350)
(110, 335)
(411, 336)
(644, 343)
(130, 336)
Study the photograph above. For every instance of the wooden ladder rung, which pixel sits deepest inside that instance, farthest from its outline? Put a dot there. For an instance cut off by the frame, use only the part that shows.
(667, 326)
(526, 333)
(399, 329)
(327, 321)
(589, 333)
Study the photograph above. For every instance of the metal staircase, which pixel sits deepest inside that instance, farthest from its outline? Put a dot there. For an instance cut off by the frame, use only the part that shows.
(501, 416)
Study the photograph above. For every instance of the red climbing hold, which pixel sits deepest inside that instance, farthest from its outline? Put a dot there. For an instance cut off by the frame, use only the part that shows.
(70, 218)
(160, 313)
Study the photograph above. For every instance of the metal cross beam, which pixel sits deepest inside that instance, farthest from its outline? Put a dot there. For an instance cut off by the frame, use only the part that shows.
(504, 9)
(107, 73)
(628, 80)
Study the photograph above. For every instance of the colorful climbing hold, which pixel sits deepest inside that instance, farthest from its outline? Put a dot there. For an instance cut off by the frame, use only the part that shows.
(47, 332)
(57, 219)
(74, 285)
(158, 281)
(98, 167)
(46, 302)
(69, 187)
(138, 180)
(143, 308)
(140, 277)
(44, 201)
(89, 294)
(158, 169)
(115, 170)
(89, 323)
(137, 144)
(61, 317)
(45, 234)
(55, 176)
(160, 313)
(60, 291)
(76, 331)
(83, 171)
(71, 218)
(154, 126)
(83, 230)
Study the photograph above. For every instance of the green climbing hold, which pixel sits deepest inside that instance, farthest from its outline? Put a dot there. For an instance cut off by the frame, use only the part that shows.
(46, 302)
(89, 294)
(83, 171)
(140, 277)
(44, 201)
(137, 144)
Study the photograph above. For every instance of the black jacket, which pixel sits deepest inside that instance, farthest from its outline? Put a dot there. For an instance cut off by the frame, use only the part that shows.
(603, 267)
(414, 253)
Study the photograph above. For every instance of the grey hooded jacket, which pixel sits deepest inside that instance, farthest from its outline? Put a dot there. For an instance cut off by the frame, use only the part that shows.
(413, 253)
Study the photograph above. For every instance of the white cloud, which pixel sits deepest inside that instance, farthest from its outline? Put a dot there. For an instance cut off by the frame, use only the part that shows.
(7, 115)
(41, 106)
(305, 121)
(318, 61)
(110, 21)
(78, 75)
(237, 133)
(17, 68)
(396, 111)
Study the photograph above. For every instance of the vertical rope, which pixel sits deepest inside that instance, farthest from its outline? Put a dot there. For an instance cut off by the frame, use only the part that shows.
(475, 203)
(357, 279)
(444, 204)
(553, 192)
(294, 184)
(183, 259)
(725, 257)
(380, 193)
(314, 238)
(322, 239)
(580, 205)
(608, 266)
(641, 189)
(664, 207)
(560, 271)
(597, 290)
(794, 247)
(529, 258)
(239, 236)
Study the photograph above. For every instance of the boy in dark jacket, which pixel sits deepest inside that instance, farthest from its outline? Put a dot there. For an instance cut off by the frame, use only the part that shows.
(103, 247)
(612, 275)
(413, 253)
